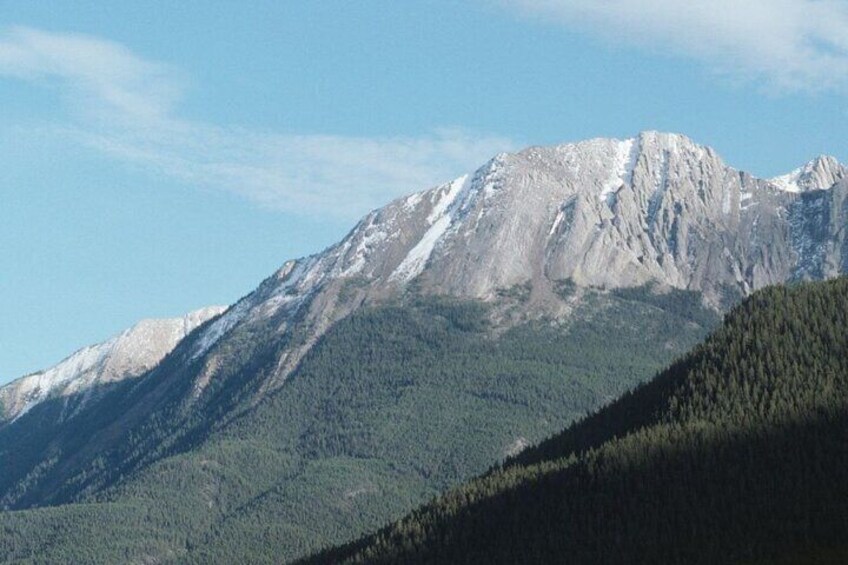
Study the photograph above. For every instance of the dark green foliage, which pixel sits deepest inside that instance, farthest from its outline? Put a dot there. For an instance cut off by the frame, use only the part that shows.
(735, 454)
(519, 292)
(393, 405)
(565, 288)
(685, 303)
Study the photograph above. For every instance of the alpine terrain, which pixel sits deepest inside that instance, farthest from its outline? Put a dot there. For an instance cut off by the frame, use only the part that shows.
(447, 331)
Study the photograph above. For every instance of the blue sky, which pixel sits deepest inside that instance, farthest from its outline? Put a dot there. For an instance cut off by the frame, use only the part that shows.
(159, 156)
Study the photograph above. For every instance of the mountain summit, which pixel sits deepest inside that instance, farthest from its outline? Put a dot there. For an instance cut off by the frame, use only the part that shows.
(821, 173)
(656, 208)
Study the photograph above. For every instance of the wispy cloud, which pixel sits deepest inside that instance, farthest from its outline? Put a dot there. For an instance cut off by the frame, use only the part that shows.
(101, 78)
(128, 107)
(798, 45)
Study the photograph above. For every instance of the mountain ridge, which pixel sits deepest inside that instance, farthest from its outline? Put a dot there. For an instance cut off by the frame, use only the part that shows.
(603, 212)
(125, 355)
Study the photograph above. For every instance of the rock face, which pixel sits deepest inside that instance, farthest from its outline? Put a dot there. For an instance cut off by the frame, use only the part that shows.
(604, 213)
(621, 213)
(124, 356)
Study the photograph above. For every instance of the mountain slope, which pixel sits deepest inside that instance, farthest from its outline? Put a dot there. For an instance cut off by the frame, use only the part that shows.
(393, 405)
(127, 355)
(736, 453)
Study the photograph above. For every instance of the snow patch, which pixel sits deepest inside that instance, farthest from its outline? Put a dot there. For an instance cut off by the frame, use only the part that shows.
(297, 280)
(789, 181)
(746, 200)
(412, 201)
(439, 220)
(368, 240)
(557, 221)
(440, 208)
(38, 387)
(219, 327)
(626, 153)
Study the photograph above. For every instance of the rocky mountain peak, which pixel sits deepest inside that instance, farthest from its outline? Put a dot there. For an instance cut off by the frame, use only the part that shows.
(603, 213)
(821, 173)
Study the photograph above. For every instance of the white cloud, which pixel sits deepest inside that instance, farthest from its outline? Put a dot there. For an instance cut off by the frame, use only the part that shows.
(103, 78)
(791, 44)
(341, 175)
(127, 107)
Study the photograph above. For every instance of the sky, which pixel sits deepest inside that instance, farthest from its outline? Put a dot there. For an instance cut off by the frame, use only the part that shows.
(161, 156)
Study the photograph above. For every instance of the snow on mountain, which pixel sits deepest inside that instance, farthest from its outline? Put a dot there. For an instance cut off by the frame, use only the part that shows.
(126, 355)
(819, 174)
(604, 213)
(439, 219)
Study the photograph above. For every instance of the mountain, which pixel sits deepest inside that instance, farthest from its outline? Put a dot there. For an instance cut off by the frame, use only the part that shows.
(735, 454)
(600, 213)
(444, 332)
(129, 354)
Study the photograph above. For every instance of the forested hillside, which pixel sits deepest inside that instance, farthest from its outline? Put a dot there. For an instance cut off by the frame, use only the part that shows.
(735, 454)
(394, 405)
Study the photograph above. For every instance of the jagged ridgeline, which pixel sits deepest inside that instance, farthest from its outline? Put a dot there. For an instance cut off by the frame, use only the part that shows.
(735, 454)
(395, 404)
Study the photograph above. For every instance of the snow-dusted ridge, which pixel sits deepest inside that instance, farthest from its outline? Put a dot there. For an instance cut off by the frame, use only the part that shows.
(126, 355)
(625, 158)
(819, 174)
